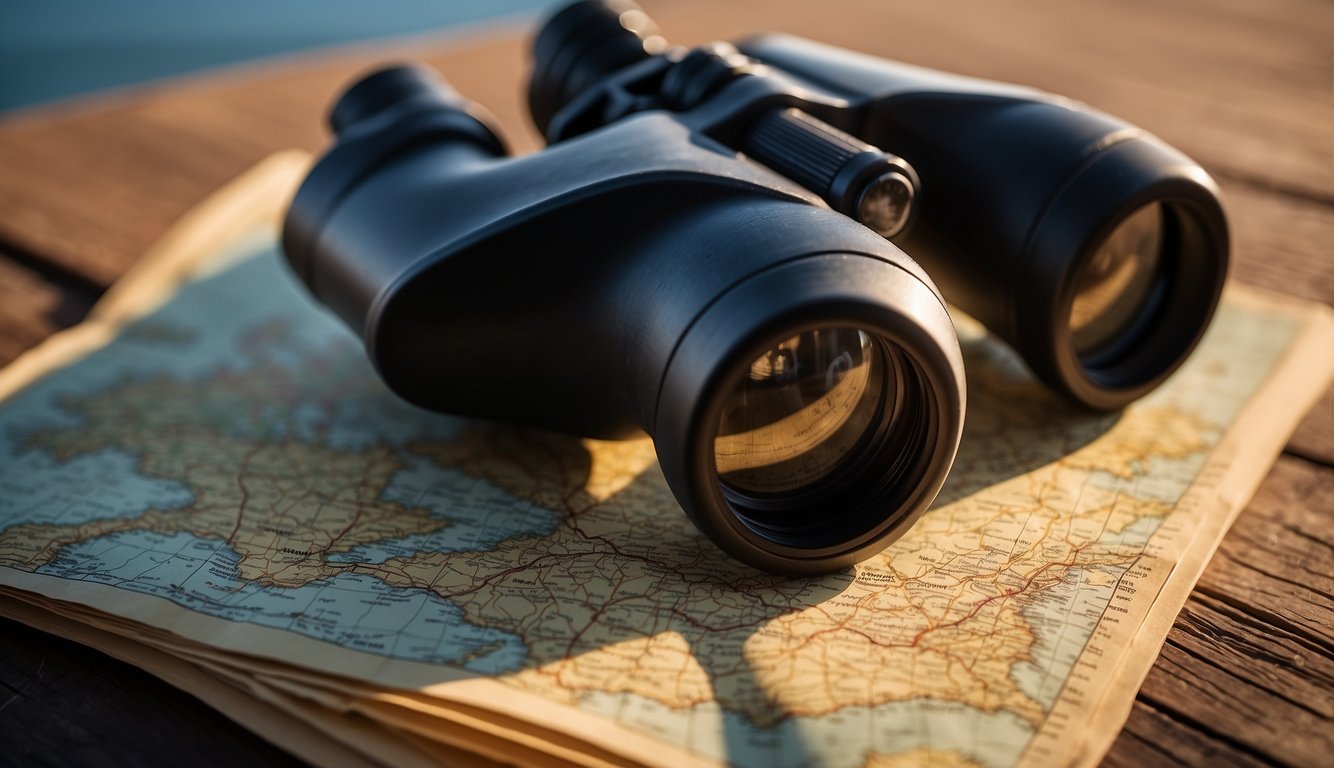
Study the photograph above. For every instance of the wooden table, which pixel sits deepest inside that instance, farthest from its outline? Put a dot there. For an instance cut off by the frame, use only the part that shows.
(1247, 674)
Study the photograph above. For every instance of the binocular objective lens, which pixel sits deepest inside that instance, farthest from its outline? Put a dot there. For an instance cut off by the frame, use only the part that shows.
(1118, 282)
(802, 410)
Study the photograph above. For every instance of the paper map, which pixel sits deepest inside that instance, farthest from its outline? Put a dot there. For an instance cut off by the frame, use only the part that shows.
(226, 472)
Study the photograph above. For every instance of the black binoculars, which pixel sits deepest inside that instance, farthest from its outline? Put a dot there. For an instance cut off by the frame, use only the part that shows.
(712, 250)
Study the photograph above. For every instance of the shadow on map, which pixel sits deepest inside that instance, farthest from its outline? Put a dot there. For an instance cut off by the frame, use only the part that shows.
(623, 597)
(1014, 423)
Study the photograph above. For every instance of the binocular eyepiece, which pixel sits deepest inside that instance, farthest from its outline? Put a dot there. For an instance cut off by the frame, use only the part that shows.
(709, 251)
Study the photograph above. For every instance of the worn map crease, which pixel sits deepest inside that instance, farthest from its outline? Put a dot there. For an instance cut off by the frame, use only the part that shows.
(208, 479)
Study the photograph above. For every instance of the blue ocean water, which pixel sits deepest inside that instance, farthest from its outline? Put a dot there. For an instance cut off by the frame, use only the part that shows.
(351, 610)
(53, 49)
(247, 317)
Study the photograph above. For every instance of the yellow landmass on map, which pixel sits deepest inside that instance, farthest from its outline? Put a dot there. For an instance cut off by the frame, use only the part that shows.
(284, 505)
(623, 595)
(288, 507)
(1155, 433)
(624, 598)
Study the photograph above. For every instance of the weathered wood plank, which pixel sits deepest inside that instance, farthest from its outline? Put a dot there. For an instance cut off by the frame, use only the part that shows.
(1277, 564)
(1314, 438)
(33, 307)
(1248, 668)
(93, 188)
(1280, 242)
(64, 704)
(1242, 90)
(1155, 738)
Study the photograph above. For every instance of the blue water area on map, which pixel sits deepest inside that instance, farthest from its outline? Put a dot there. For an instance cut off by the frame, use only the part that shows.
(480, 514)
(51, 49)
(212, 325)
(104, 484)
(358, 422)
(352, 610)
(202, 330)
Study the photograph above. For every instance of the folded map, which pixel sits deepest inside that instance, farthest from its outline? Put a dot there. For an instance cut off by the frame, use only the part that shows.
(207, 479)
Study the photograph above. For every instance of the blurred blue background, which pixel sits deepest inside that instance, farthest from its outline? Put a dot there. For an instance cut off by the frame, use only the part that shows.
(53, 49)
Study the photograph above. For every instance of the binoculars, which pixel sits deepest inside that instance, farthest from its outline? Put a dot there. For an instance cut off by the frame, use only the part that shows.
(713, 249)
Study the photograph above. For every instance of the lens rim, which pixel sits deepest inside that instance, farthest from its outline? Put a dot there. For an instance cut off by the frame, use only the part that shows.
(898, 310)
(1147, 317)
(842, 487)
(875, 362)
(1147, 290)
(1111, 187)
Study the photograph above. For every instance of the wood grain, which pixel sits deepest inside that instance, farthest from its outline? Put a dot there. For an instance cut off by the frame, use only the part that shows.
(33, 305)
(1247, 671)
(1280, 242)
(1246, 677)
(1159, 739)
(1245, 92)
(1314, 438)
(64, 704)
(92, 188)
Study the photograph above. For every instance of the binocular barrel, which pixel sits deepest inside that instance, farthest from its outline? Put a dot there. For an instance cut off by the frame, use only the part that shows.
(799, 375)
(709, 251)
(1090, 246)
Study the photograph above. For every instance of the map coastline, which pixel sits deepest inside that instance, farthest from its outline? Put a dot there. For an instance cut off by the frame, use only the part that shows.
(678, 657)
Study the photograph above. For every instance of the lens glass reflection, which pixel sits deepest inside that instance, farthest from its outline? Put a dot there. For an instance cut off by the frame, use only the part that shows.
(801, 411)
(1117, 282)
